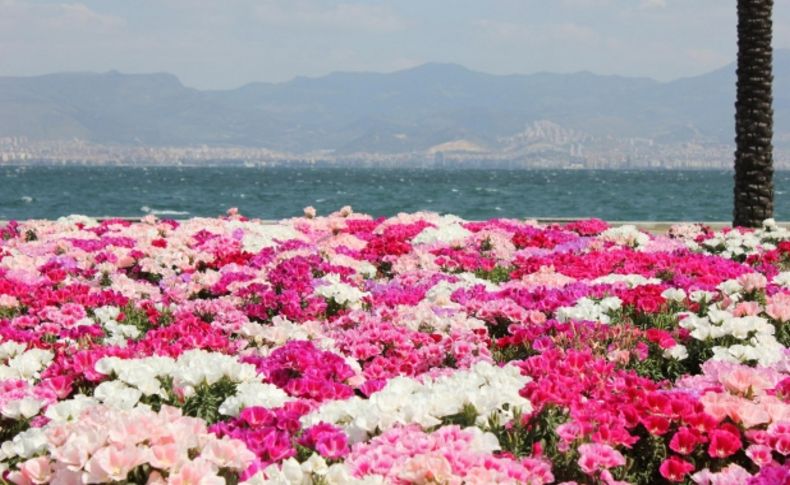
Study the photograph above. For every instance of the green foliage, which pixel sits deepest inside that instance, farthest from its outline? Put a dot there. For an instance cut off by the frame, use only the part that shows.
(465, 418)
(12, 427)
(30, 235)
(333, 307)
(303, 453)
(156, 401)
(205, 402)
(500, 274)
(658, 368)
(203, 294)
(136, 317)
(665, 320)
(165, 318)
(519, 438)
(449, 361)
(666, 275)
(8, 312)
(384, 270)
(499, 328)
(506, 354)
(317, 479)
(105, 280)
(783, 333)
(644, 459)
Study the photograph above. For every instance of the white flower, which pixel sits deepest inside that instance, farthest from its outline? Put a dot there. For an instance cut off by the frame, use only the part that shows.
(700, 295)
(632, 280)
(489, 388)
(107, 313)
(674, 294)
(331, 288)
(21, 408)
(69, 409)
(676, 352)
(26, 365)
(587, 309)
(26, 444)
(117, 394)
(627, 235)
(448, 231)
(75, 219)
(315, 464)
(782, 279)
(259, 235)
(730, 287)
(10, 349)
(250, 394)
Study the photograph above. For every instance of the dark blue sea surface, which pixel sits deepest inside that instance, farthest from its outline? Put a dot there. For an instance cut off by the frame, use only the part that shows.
(278, 192)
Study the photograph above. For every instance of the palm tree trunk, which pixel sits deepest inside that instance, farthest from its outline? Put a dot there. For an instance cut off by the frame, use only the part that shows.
(754, 115)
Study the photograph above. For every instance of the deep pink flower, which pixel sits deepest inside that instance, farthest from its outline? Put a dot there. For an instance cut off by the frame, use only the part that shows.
(724, 441)
(675, 469)
(684, 441)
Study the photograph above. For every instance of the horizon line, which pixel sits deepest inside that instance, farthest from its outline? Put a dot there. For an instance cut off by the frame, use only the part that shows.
(370, 72)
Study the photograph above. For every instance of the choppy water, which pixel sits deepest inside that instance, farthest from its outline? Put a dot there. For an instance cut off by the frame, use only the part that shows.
(178, 192)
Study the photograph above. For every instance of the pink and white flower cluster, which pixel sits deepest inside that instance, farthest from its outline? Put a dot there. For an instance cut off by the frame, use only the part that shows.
(413, 349)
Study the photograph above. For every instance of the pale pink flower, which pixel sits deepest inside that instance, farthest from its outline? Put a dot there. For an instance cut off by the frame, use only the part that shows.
(746, 308)
(744, 380)
(167, 456)
(35, 470)
(595, 457)
(761, 455)
(778, 307)
(749, 414)
(8, 301)
(228, 453)
(112, 463)
(752, 281)
(425, 469)
(198, 472)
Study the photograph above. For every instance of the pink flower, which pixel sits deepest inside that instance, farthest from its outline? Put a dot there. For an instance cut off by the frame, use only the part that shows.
(743, 380)
(674, 469)
(684, 441)
(432, 468)
(724, 441)
(332, 446)
(752, 282)
(761, 455)
(167, 456)
(228, 453)
(35, 470)
(746, 308)
(112, 463)
(596, 457)
(778, 307)
(198, 472)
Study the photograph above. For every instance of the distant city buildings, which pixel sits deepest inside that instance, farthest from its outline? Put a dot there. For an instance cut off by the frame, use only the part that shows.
(541, 145)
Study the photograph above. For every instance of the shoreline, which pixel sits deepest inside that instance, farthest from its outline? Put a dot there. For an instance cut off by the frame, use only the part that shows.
(649, 226)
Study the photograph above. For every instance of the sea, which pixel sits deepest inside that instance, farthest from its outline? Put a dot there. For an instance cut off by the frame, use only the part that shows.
(47, 192)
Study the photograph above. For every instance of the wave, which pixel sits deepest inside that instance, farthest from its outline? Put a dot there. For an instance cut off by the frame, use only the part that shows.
(163, 212)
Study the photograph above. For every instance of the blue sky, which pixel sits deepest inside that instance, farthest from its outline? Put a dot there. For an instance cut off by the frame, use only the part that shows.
(226, 43)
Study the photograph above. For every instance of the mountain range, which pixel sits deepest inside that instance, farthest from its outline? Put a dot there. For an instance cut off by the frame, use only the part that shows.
(418, 109)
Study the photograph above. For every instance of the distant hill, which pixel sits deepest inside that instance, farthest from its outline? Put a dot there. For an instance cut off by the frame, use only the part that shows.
(432, 105)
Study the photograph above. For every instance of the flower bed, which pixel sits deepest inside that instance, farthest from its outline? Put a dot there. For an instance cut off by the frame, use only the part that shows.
(415, 349)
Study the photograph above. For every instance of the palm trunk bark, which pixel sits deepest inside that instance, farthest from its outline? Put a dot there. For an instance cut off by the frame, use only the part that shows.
(754, 115)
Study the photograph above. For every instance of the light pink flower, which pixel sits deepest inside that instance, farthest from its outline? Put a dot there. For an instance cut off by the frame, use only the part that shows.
(112, 463)
(198, 472)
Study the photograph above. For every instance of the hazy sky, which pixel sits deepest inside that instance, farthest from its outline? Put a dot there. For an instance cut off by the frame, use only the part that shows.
(227, 43)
